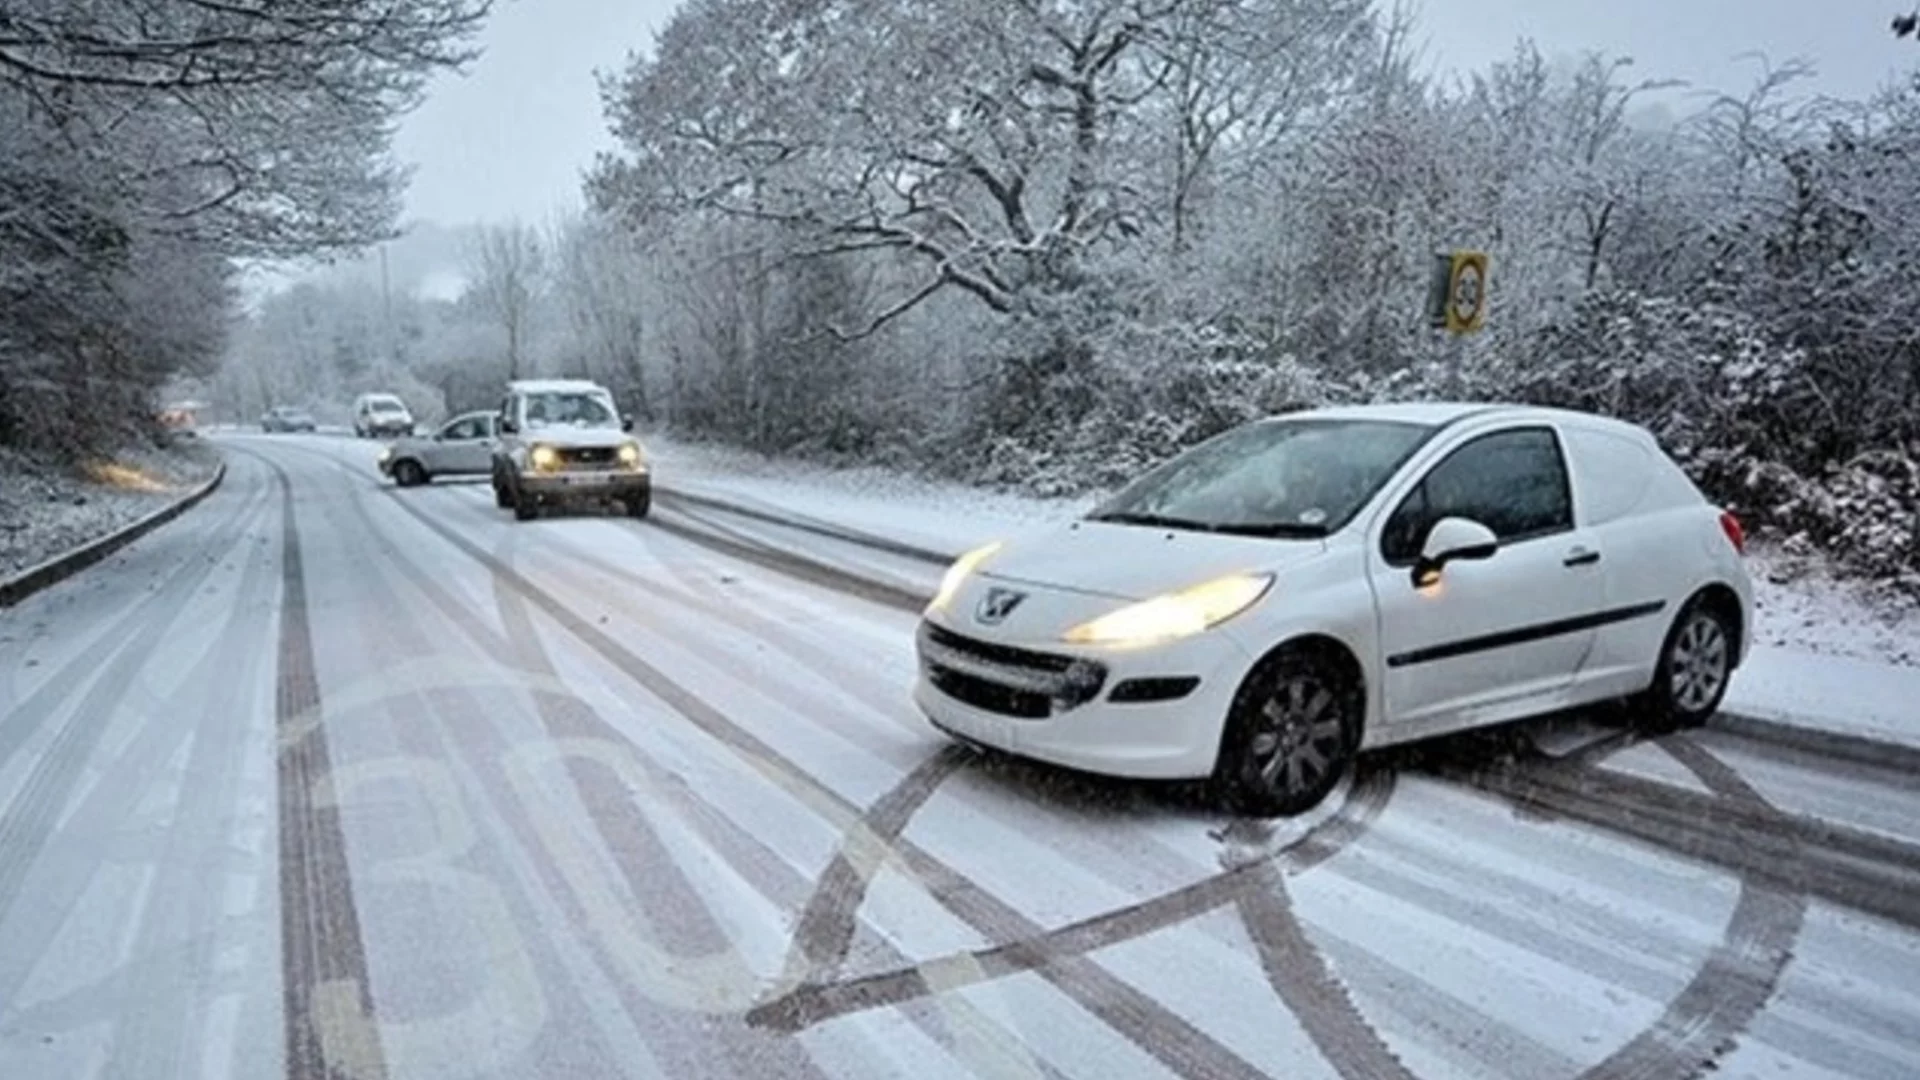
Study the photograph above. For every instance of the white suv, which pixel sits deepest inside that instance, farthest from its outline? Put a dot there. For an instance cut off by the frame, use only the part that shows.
(564, 441)
(381, 415)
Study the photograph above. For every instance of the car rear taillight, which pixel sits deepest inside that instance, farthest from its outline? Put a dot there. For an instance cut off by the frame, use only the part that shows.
(1736, 534)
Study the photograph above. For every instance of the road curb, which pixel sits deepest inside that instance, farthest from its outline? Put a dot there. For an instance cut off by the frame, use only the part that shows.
(61, 567)
(1857, 749)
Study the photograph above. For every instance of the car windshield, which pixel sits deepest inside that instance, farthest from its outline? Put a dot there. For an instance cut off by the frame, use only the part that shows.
(576, 408)
(1280, 478)
(387, 405)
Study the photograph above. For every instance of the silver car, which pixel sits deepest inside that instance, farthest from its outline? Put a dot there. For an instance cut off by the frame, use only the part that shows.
(462, 447)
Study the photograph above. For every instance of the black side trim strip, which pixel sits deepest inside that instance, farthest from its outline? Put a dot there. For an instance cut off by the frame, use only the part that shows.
(1521, 635)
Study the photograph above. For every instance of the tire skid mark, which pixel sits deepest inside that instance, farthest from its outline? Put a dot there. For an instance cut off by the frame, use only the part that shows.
(816, 657)
(27, 823)
(719, 537)
(330, 1028)
(833, 903)
(642, 857)
(1699, 1027)
(825, 931)
(1309, 988)
(832, 715)
(1863, 871)
(1145, 1022)
(482, 747)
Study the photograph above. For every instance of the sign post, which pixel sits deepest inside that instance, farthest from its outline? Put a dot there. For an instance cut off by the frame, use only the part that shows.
(1457, 292)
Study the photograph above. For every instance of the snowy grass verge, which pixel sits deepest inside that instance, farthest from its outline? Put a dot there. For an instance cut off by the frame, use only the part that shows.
(48, 510)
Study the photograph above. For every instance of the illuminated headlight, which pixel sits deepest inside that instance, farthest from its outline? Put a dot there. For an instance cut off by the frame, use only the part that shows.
(1175, 615)
(544, 458)
(630, 455)
(956, 575)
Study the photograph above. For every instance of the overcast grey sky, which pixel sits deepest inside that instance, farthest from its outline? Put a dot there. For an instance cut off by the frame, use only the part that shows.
(512, 137)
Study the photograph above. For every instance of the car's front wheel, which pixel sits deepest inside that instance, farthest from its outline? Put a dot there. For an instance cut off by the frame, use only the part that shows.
(639, 504)
(526, 507)
(1292, 732)
(409, 473)
(1694, 670)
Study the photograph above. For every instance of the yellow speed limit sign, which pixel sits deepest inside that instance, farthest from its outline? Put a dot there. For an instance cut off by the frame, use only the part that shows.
(1458, 299)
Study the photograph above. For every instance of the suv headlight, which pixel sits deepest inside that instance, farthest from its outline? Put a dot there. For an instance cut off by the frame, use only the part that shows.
(630, 455)
(1174, 615)
(544, 458)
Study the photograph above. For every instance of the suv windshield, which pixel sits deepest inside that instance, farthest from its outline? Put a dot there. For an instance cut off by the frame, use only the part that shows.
(573, 407)
(385, 405)
(1280, 478)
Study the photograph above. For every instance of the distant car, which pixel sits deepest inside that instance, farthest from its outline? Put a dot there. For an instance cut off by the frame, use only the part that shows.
(1266, 605)
(462, 447)
(287, 418)
(563, 441)
(381, 416)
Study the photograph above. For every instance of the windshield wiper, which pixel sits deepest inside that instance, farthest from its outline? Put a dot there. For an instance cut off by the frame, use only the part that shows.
(1278, 530)
(1152, 521)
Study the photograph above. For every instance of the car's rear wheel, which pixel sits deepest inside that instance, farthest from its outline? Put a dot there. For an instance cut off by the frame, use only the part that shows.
(639, 504)
(409, 473)
(1291, 733)
(1695, 668)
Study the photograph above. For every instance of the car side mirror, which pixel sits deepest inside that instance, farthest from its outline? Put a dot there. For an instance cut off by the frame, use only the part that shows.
(1451, 539)
(508, 427)
(626, 423)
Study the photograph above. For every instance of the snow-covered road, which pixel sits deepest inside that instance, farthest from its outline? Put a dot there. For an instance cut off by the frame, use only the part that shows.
(327, 779)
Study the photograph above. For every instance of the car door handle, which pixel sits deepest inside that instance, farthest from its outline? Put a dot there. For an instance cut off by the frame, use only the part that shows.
(1581, 557)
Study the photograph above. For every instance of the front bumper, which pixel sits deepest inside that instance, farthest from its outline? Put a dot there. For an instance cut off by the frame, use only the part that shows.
(587, 483)
(1155, 713)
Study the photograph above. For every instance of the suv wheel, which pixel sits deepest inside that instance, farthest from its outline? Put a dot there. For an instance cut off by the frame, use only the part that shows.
(502, 498)
(525, 507)
(638, 504)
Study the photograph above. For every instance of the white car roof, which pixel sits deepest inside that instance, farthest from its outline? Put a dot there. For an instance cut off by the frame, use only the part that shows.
(1436, 413)
(555, 386)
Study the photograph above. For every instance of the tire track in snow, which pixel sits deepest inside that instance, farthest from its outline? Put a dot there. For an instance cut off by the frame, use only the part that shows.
(330, 1029)
(1700, 1025)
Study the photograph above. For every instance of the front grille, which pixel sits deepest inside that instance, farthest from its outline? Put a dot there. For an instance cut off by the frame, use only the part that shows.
(999, 654)
(588, 457)
(990, 696)
(1014, 682)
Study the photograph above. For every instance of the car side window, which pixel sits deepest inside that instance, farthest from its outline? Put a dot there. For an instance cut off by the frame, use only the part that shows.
(462, 430)
(1513, 482)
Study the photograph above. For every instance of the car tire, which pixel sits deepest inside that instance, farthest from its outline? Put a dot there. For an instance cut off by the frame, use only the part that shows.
(502, 498)
(409, 473)
(1693, 672)
(525, 507)
(1292, 732)
(638, 505)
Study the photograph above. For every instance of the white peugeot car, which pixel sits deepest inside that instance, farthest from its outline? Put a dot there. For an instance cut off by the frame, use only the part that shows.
(1267, 604)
